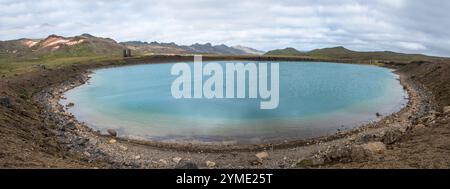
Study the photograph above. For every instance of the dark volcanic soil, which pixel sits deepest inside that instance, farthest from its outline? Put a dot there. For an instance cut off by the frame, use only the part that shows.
(29, 138)
(427, 145)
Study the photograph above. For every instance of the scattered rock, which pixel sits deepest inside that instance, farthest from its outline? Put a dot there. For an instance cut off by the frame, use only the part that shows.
(71, 104)
(367, 138)
(93, 141)
(318, 161)
(186, 164)
(82, 141)
(340, 154)
(87, 154)
(259, 158)
(428, 119)
(403, 129)
(71, 125)
(210, 164)
(378, 114)
(432, 112)
(123, 148)
(262, 155)
(41, 66)
(375, 147)
(176, 159)
(345, 154)
(5, 102)
(112, 132)
(442, 121)
(358, 153)
(419, 126)
(137, 157)
(112, 141)
(391, 136)
(163, 161)
(255, 162)
(446, 110)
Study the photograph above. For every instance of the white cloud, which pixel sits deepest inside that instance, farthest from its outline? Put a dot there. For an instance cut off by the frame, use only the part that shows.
(399, 25)
(393, 3)
(411, 46)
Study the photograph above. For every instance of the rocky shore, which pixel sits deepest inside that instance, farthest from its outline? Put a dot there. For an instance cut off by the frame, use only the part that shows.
(377, 145)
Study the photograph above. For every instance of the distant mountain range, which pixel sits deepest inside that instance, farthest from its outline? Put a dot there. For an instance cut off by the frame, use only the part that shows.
(172, 48)
(249, 50)
(88, 45)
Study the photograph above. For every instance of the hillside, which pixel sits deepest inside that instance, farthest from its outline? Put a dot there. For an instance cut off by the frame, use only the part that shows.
(332, 52)
(285, 52)
(17, 47)
(341, 53)
(54, 45)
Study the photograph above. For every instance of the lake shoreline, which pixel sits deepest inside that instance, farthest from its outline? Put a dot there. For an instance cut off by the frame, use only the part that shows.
(109, 143)
(211, 142)
(83, 144)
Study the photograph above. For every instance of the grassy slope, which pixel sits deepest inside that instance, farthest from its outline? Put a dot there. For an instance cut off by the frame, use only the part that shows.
(285, 52)
(10, 66)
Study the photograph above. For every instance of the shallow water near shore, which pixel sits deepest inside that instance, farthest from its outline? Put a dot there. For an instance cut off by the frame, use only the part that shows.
(316, 99)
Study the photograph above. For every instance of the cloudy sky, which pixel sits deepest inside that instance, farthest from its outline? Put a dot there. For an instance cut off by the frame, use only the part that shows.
(400, 25)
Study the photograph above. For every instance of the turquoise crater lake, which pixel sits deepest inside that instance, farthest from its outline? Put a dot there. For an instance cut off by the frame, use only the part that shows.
(316, 99)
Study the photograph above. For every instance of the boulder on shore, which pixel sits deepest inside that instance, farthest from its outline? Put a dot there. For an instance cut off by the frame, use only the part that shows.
(375, 147)
(112, 141)
(210, 164)
(347, 153)
(446, 110)
(5, 102)
(177, 159)
(112, 132)
(391, 136)
(186, 164)
(262, 155)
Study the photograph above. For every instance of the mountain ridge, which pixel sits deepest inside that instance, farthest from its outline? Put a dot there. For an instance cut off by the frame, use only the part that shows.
(196, 48)
(55, 45)
(88, 45)
(288, 51)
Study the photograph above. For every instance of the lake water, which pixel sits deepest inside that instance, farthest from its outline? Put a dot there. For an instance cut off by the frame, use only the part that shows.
(316, 99)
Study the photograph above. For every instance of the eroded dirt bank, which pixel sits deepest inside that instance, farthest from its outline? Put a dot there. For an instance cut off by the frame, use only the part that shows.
(37, 132)
(27, 138)
(427, 142)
